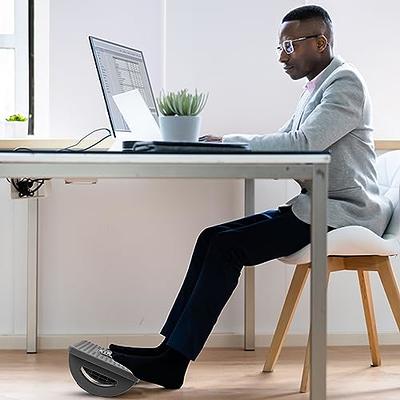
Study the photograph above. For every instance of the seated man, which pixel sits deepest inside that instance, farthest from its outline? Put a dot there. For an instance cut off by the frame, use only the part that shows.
(333, 113)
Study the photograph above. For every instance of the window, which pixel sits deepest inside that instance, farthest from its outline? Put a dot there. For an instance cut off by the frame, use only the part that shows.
(13, 57)
(7, 20)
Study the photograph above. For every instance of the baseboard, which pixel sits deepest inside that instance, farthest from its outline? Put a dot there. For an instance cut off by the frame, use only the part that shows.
(52, 342)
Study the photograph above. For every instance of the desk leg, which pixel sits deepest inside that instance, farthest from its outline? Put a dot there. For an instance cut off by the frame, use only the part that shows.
(318, 282)
(32, 276)
(249, 276)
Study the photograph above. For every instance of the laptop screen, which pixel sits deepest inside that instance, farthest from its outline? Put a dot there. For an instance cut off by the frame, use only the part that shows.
(121, 69)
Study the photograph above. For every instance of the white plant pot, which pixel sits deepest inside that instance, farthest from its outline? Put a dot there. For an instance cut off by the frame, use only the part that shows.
(180, 128)
(15, 128)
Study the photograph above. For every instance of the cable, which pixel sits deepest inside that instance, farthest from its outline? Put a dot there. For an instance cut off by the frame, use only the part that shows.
(94, 144)
(23, 149)
(66, 150)
(90, 133)
(27, 187)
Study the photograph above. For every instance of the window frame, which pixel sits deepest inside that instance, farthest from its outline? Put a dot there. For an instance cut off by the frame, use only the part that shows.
(18, 41)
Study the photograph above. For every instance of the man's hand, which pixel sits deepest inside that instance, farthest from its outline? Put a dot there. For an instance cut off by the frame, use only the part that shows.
(210, 138)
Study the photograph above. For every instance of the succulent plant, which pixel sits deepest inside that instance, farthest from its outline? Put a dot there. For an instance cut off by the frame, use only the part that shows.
(181, 103)
(16, 118)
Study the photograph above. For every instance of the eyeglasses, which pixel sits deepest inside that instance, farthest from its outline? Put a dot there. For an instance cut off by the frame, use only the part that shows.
(288, 47)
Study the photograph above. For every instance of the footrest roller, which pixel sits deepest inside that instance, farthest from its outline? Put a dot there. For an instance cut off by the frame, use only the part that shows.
(96, 372)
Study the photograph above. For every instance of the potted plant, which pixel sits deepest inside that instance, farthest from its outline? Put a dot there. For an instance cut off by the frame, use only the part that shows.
(179, 119)
(16, 125)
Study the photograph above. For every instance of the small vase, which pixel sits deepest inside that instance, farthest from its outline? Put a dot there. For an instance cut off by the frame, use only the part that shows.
(16, 128)
(179, 128)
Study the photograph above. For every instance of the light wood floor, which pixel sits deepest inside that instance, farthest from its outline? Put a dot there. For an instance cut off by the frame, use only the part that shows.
(218, 374)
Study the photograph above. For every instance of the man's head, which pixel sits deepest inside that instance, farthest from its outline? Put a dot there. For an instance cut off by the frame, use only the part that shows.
(313, 52)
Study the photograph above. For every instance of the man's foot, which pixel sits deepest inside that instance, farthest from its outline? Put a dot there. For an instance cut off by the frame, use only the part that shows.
(167, 369)
(139, 351)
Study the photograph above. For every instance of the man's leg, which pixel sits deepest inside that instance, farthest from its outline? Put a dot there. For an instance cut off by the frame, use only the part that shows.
(228, 251)
(197, 264)
(192, 274)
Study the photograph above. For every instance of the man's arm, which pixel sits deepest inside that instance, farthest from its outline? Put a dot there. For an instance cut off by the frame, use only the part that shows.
(339, 112)
(213, 138)
(288, 125)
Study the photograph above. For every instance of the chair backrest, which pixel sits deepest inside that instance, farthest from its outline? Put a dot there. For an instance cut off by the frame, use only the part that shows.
(388, 170)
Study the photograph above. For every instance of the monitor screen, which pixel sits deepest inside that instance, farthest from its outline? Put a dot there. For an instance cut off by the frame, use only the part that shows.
(121, 69)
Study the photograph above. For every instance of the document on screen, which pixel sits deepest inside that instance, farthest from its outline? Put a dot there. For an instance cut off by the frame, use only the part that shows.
(137, 115)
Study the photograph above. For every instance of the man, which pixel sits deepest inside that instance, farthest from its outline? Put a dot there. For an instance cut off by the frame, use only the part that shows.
(333, 113)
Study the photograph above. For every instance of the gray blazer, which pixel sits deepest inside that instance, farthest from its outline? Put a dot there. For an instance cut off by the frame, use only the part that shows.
(335, 116)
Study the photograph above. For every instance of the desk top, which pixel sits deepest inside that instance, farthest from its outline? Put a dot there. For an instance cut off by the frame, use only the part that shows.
(128, 165)
(148, 158)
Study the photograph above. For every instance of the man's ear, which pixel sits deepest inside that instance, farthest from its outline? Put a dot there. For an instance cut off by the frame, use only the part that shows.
(322, 43)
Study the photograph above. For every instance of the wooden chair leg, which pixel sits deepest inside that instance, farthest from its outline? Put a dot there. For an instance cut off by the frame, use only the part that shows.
(391, 289)
(306, 370)
(366, 295)
(305, 377)
(289, 307)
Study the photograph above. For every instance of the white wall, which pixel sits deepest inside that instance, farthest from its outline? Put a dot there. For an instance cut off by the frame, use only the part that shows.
(228, 47)
(76, 101)
(113, 255)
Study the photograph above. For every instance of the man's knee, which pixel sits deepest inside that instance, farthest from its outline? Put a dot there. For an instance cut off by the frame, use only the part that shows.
(208, 234)
(225, 244)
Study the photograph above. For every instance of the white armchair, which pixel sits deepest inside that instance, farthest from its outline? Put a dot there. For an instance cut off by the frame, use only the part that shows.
(351, 248)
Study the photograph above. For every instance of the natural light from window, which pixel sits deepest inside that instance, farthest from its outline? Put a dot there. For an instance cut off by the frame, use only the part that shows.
(7, 81)
(7, 17)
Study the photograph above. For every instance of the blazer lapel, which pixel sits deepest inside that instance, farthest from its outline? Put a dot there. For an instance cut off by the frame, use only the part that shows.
(306, 96)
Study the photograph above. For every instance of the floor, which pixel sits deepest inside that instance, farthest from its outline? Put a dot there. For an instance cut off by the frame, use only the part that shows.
(218, 374)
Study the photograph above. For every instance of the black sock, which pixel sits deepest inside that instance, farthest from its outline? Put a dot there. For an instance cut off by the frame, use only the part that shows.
(166, 369)
(139, 351)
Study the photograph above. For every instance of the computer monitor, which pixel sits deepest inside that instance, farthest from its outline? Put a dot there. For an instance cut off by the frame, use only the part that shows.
(121, 69)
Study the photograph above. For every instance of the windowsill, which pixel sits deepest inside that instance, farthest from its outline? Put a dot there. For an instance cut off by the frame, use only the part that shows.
(387, 144)
(59, 143)
(51, 143)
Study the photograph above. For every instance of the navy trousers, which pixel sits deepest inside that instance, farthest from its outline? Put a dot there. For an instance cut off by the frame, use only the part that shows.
(218, 258)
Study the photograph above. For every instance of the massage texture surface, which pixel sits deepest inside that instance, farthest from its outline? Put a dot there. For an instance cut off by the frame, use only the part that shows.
(96, 372)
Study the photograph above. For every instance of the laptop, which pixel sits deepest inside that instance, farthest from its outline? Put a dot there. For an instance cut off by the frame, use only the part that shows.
(121, 69)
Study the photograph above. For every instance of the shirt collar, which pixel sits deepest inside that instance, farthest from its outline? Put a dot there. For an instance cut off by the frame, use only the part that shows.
(311, 85)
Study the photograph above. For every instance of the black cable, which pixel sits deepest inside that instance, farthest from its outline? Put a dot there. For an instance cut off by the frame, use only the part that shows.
(23, 149)
(69, 150)
(90, 133)
(14, 182)
(27, 187)
(94, 144)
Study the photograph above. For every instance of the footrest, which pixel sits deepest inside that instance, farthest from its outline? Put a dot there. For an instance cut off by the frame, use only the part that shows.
(96, 372)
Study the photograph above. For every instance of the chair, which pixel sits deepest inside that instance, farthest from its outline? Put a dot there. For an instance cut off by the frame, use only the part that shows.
(351, 248)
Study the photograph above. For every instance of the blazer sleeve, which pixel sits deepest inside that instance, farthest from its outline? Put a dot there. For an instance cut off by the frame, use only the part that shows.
(339, 112)
(288, 125)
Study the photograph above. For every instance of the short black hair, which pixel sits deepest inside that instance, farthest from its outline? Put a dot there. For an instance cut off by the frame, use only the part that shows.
(308, 12)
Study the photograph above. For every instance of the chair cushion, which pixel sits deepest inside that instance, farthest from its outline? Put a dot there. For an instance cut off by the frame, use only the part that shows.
(350, 241)
(388, 174)
(360, 241)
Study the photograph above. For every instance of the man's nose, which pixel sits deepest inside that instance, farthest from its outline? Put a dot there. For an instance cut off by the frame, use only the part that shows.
(283, 57)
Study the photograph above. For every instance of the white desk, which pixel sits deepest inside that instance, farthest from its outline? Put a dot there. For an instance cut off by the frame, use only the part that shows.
(248, 167)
